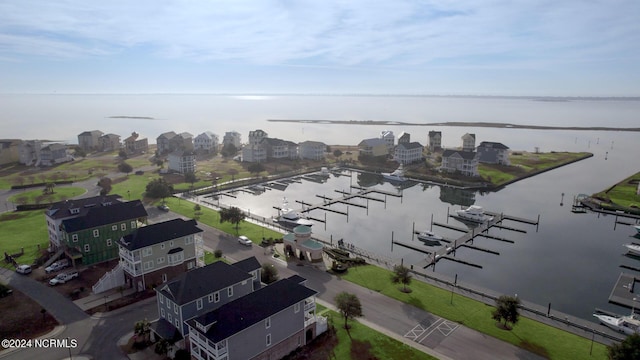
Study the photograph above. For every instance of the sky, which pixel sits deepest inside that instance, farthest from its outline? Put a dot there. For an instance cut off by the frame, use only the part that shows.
(462, 47)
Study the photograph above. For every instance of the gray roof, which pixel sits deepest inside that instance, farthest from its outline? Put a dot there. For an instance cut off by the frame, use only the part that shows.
(203, 281)
(159, 233)
(411, 145)
(467, 155)
(373, 142)
(240, 314)
(168, 135)
(248, 265)
(493, 145)
(62, 209)
(91, 133)
(104, 215)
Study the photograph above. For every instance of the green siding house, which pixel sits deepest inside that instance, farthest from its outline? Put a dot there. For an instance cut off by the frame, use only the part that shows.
(93, 238)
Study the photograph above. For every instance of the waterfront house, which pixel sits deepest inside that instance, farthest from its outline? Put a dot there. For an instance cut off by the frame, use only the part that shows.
(170, 141)
(465, 162)
(407, 153)
(312, 150)
(389, 140)
(254, 153)
(163, 142)
(153, 254)
(93, 238)
(266, 324)
(256, 137)
(69, 209)
(9, 151)
(232, 137)
(134, 145)
(469, 142)
(109, 142)
(435, 140)
(199, 291)
(207, 141)
(182, 161)
(53, 153)
(90, 140)
(373, 147)
(404, 138)
(493, 153)
(29, 152)
(280, 149)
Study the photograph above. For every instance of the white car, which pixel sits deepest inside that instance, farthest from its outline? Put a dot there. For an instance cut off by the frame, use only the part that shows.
(23, 269)
(63, 278)
(245, 240)
(58, 265)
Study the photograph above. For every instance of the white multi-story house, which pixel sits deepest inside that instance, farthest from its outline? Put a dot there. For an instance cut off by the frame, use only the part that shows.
(153, 254)
(201, 290)
(256, 136)
(313, 150)
(54, 153)
(469, 142)
(232, 137)
(465, 162)
(109, 142)
(182, 161)
(389, 139)
(407, 153)
(268, 323)
(29, 152)
(254, 153)
(373, 147)
(207, 141)
(493, 153)
(280, 149)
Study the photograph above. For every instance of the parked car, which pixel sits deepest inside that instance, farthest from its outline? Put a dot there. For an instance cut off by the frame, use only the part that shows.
(63, 278)
(56, 266)
(23, 269)
(163, 207)
(245, 240)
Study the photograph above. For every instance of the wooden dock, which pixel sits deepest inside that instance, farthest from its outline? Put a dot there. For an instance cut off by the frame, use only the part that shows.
(622, 292)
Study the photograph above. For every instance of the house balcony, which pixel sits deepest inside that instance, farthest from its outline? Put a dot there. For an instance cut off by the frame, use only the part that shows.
(309, 305)
(131, 269)
(309, 319)
(134, 259)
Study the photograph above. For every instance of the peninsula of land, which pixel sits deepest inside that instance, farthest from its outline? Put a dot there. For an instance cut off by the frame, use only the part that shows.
(455, 123)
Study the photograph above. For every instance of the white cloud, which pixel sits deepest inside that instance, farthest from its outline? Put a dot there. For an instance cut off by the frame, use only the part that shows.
(339, 33)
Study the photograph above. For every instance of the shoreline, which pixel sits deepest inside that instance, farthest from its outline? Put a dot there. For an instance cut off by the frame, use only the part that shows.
(454, 123)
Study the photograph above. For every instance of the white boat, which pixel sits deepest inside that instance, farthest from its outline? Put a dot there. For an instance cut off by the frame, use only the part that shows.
(633, 248)
(474, 213)
(637, 227)
(396, 176)
(291, 217)
(628, 324)
(429, 236)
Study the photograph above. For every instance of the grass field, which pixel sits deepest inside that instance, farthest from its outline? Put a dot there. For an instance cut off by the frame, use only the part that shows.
(623, 193)
(24, 229)
(532, 335)
(37, 197)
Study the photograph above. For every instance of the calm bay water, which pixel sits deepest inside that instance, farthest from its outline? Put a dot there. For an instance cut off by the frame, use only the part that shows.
(572, 261)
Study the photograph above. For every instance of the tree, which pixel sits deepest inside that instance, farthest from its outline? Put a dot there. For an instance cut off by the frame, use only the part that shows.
(228, 150)
(162, 347)
(79, 152)
(48, 188)
(122, 154)
(159, 163)
(349, 306)
(125, 168)
(197, 211)
(232, 215)
(158, 189)
(190, 177)
(141, 331)
(256, 168)
(268, 274)
(629, 348)
(337, 153)
(233, 172)
(402, 276)
(105, 185)
(507, 310)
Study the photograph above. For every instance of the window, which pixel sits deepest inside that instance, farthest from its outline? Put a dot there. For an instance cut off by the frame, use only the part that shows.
(268, 339)
(244, 282)
(171, 243)
(299, 340)
(161, 299)
(267, 323)
(255, 275)
(148, 265)
(177, 324)
(74, 237)
(160, 260)
(230, 291)
(162, 313)
(147, 251)
(164, 277)
(199, 304)
(96, 233)
(169, 318)
(133, 224)
(109, 242)
(175, 308)
(162, 246)
(296, 307)
(114, 227)
(190, 265)
(189, 240)
(123, 227)
(210, 298)
(216, 296)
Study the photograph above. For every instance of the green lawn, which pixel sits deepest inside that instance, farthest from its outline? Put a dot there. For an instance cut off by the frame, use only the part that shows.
(362, 342)
(23, 229)
(132, 187)
(530, 334)
(37, 197)
(624, 192)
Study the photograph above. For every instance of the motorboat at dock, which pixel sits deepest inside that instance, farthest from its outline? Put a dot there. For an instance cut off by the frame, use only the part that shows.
(396, 176)
(290, 217)
(628, 324)
(633, 248)
(474, 213)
